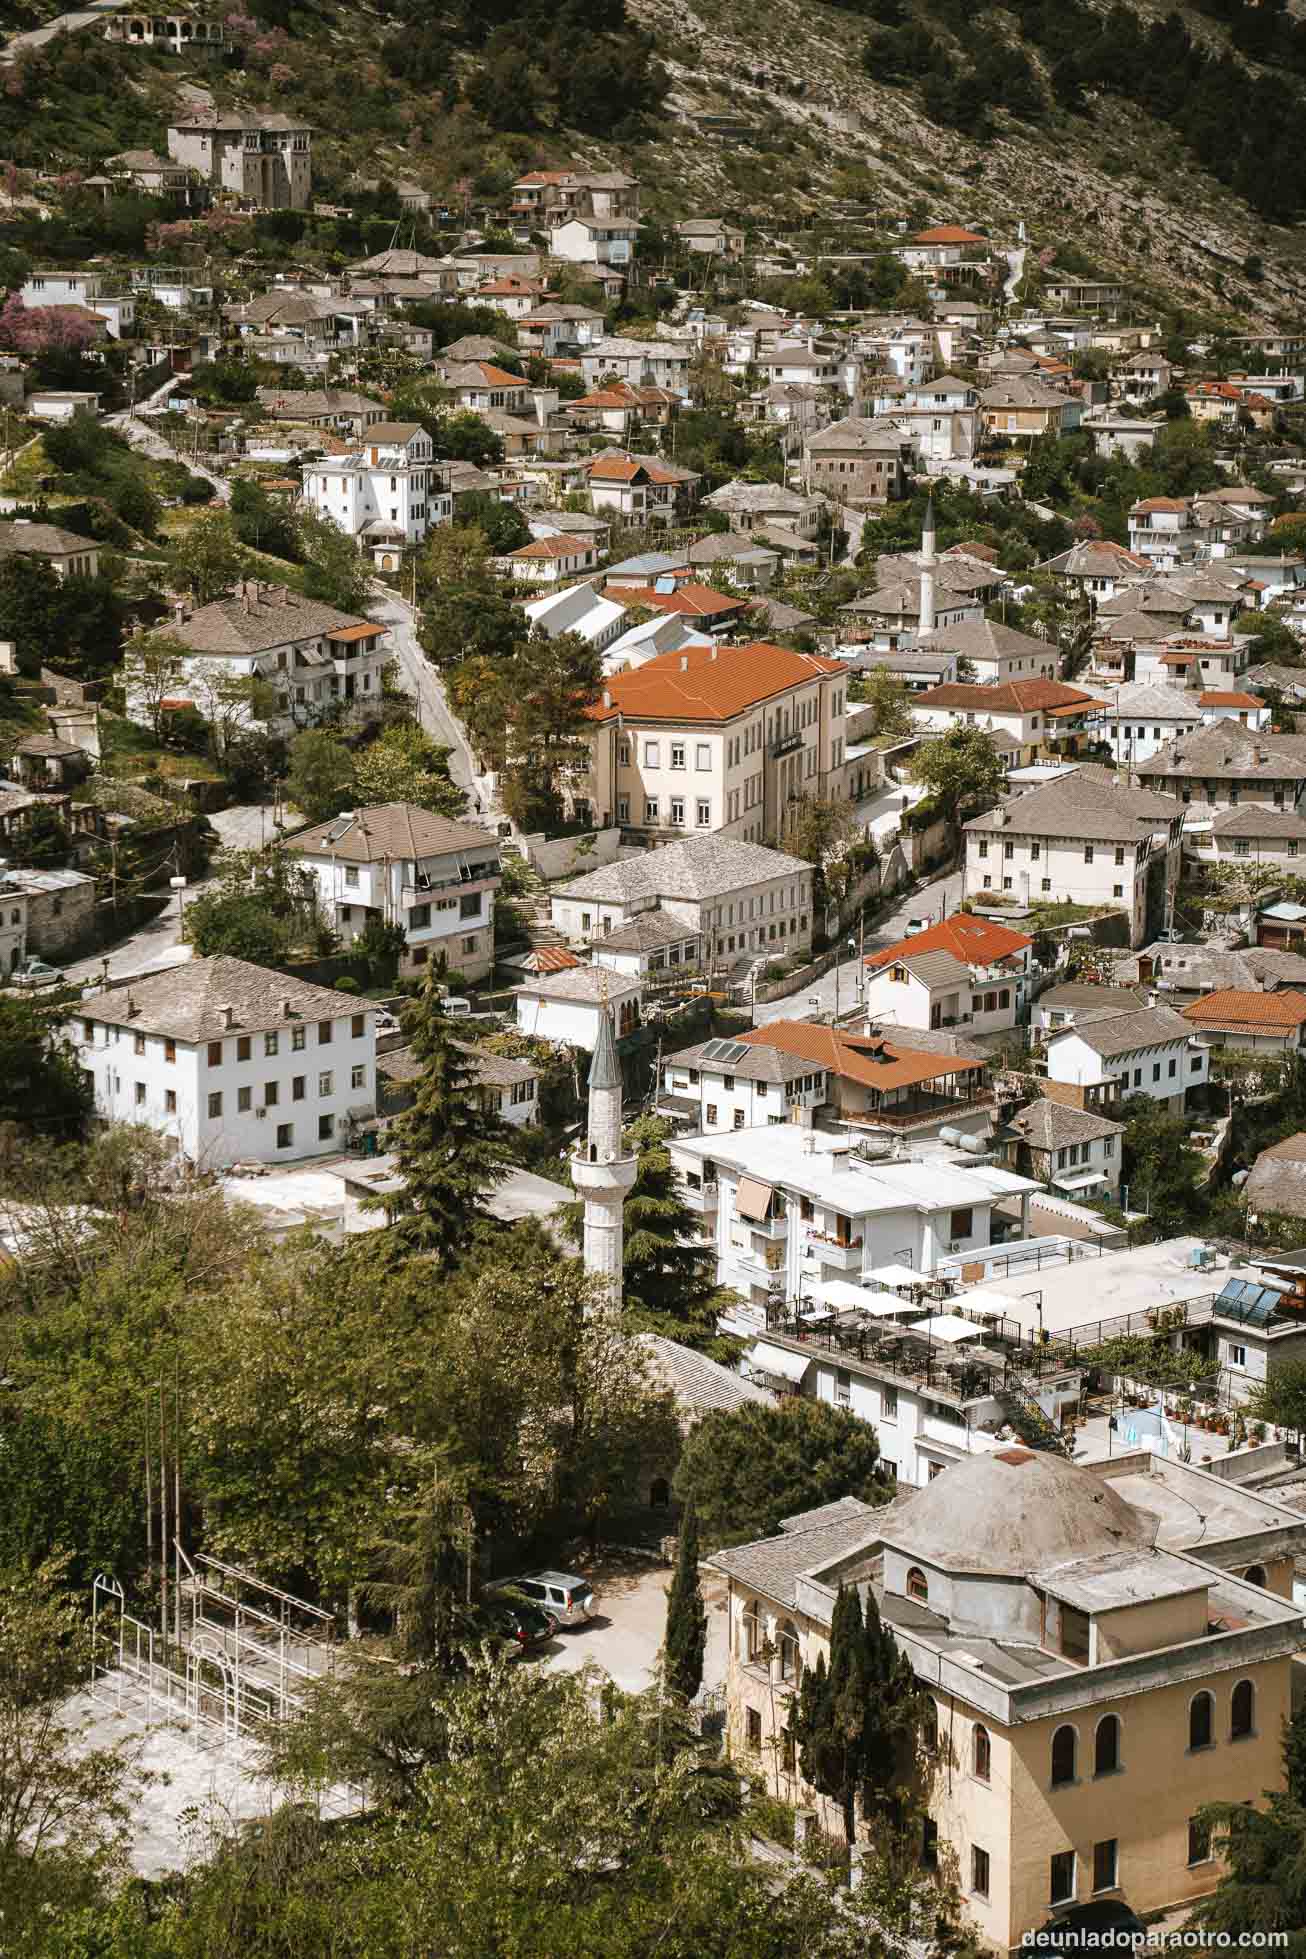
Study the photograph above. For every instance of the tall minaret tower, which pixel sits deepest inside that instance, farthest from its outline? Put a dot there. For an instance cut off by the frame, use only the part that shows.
(928, 562)
(602, 1169)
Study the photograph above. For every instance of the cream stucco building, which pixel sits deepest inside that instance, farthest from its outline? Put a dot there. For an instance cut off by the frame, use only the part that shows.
(1103, 1650)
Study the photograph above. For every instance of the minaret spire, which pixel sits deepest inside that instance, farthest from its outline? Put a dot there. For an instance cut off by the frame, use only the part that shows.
(602, 1169)
(928, 562)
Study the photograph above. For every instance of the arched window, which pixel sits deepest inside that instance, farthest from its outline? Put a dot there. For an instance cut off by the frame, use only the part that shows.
(981, 1753)
(1201, 1721)
(752, 1630)
(1065, 1743)
(659, 1494)
(1106, 1746)
(918, 1585)
(1255, 1575)
(1242, 1710)
(791, 1662)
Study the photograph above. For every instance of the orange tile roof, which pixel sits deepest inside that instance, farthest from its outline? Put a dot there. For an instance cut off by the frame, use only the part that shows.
(1160, 503)
(1008, 696)
(1235, 1006)
(975, 941)
(364, 631)
(949, 234)
(709, 683)
(686, 598)
(850, 1055)
(551, 547)
(1219, 699)
(613, 469)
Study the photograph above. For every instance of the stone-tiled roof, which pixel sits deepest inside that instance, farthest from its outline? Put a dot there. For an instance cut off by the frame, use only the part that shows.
(257, 617)
(1082, 998)
(190, 1003)
(1226, 750)
(1278, 1179)
(648, 931)
(694, 867)
(773, 1565)
(1048, 1125)
(1089, 803)
(698, 1385)
(1128, 1032)
(42, 540)
(756, 1064)
(381, 830)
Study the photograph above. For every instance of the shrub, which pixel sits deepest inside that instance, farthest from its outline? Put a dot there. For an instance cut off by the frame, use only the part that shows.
(346, 984)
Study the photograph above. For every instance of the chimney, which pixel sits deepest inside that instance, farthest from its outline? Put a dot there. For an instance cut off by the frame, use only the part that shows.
(285, 1006)
(712, 652)
(607, 697)
(228, 1016)
(684, 663)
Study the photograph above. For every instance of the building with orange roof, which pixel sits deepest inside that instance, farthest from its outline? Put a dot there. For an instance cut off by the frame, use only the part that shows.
(717, 738)
(549, 560)
(1041, 716)
(1259, 1023)
(698, 605)
(964, 972)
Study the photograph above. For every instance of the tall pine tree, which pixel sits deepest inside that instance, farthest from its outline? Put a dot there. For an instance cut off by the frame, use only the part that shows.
(451, 1152)
(686, 1635)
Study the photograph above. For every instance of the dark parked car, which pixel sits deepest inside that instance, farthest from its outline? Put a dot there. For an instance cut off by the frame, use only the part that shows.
(1104, 1925)
(521, 1624)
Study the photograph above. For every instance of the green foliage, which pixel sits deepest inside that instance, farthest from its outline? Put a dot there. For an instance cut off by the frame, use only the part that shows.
(264, 907)
(381, 945)
(856, 1721)
(450, 1151)
(42, 1087)
(403, 765)
(208, 558)
(335, 570)
(1160, 1168)
(73, 624)
(225, 383)
(1282, 1399)
(886, 696)
(320, 776)
(686, 1636)
(261, 523)
(501, 524)
(961, 769)
(747, 1469)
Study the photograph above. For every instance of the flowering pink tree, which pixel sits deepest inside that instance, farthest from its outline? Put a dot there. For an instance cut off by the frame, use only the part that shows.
(35, 330)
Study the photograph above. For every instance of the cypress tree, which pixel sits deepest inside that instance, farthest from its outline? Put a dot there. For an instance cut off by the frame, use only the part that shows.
(686, 1634)
(855, 1721)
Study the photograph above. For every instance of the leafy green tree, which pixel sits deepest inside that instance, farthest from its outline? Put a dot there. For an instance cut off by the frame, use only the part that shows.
(335, 570)
(155, 667)
(46, 844)
(1262, 1889)
(856, 1720)
(320, 776)
(403, 765)
(1270, 641)
(961, 769)
(747, 1468)
(816, 829)
(261, 523)
(42, 1086)
(264, 908)
(501, 524)
(31, 611)
(668, 1274)
(208, 558)
(381, 944)
(886, 697)
(451, 1151)
(1159, 1167)
(1282, 1399)
(685, 1641)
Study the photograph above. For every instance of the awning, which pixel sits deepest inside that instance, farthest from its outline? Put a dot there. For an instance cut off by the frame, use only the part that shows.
(753, 1199)
(989, 1305)
(896, 1275)
(947, 1327)
(763, 1358)
(1080, 1179)
(846, 1297)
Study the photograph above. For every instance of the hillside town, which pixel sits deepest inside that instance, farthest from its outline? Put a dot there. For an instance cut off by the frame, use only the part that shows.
(747, 1388)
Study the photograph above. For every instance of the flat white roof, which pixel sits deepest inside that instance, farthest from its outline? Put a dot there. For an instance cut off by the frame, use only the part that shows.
(824, 1168)
(1105, 1288)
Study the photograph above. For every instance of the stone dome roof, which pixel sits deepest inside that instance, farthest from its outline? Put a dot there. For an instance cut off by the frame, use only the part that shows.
(1014, 1512)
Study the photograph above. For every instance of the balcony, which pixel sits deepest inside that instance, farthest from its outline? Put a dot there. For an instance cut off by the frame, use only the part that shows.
(844, 1254)
(704, 1200)
(422, 894)
(785, 745)
(775, 1230)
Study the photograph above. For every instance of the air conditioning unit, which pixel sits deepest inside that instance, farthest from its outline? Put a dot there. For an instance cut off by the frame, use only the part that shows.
(261, 1114)
(955, 1245)
(342, 1122)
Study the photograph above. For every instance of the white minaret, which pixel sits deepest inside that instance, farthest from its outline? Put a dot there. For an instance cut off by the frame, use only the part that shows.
(601, 1169)
(928, 562)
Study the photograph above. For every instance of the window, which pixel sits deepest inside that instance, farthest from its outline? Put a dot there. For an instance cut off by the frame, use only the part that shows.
(918, 1585)
(215, 1054)
(469, 944)
(1242, 1711)
(1255, 1575)
(1074, 1634)
(704, 813)
(242, 1047)
(791, 1663)
(215, 1107)
(469, 906)
(983, 849)
(979, 1871)
(650, 809)
(326, 1083)
(1138, 1078)
(981, 1753)
(1199, 1840)
(358, 1077)
(650, 755)
(1108, 1146)
(1106, 1746)
(325, 1126)
(140, 1095)
(298, 1088)
(285, 1135)
(351, 876)
(962, 1224)
(271, 1095)
(1065, 1744)
(751, 1627)
(271, 1042)
(754, 1731)
(244, 1100)
(678, 810)
(1156, 1071)
(710, 1117)
(1117, 890)
(419, 918)
(889, 1405)
(1088, 853)
(170, 1101)
(1201, 1721)
(138, 1044)
(324, 1032)
(1062, 1877)
(298, 1037)
(703, 755)
(1035, 852)
(623, 754)
(677, 754)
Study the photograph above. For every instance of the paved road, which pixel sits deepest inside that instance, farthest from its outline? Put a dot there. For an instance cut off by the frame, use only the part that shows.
(421, 680)
(838, 987)
(151, 443)
(36, 37)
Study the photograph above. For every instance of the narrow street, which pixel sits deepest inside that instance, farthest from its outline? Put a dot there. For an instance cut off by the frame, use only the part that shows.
(141, 436)
(837, 989)
(421, 680)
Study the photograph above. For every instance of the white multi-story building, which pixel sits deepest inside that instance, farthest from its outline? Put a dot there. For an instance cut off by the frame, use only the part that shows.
(570, 1007)
(964, 971)
(264, 160)
(230, 1062)
(1153, 1052)
(789, 1208)
(728, 896)
(1140, 718)
(403, 865)
(310, 655)
(387, 495)
(1086, 838)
